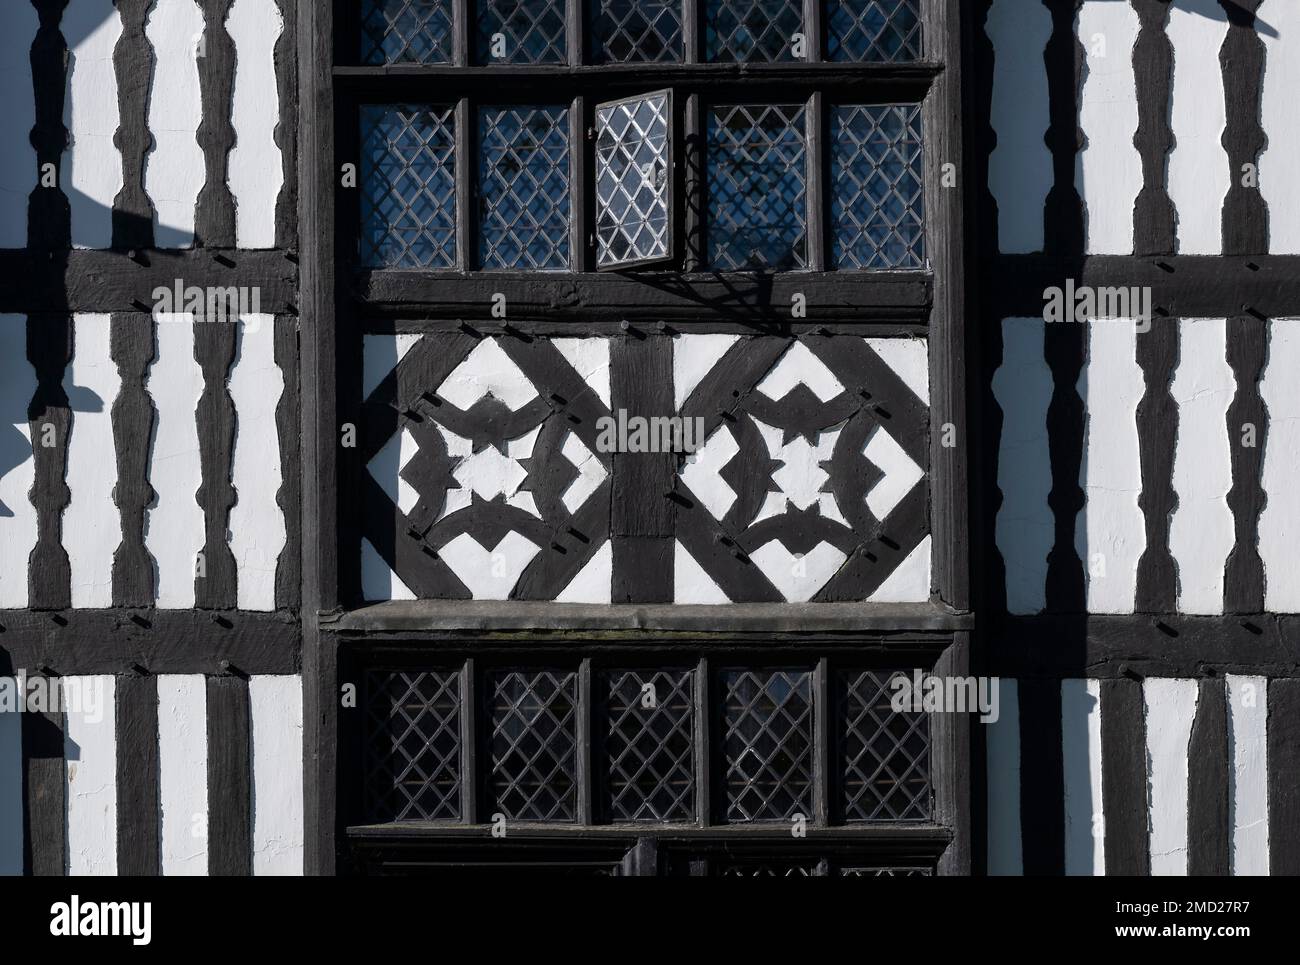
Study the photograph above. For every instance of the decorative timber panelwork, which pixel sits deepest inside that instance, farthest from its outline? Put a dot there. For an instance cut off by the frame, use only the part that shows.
(1137, 481)
(509, 468)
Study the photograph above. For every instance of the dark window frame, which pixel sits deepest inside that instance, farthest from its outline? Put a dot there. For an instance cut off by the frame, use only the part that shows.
(706, 658)
(342, 303)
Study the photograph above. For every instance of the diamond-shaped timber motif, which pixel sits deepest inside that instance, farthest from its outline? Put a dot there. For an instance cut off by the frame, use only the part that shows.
(487, 474)
(811, 485)
(502, 491)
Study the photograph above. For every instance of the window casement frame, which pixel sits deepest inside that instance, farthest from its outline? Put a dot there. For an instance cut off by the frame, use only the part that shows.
(684, 285)
(340, 302)
(705, 657)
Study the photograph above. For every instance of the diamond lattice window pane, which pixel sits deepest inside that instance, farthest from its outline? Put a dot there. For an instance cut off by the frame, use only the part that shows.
(767, 744)
(760, 30)
(756, 175)
(521, 32)
(406, 31)
(524, 187)
(884, 755)
(408, 182)
(533, 744)
(877, 214)
(632, 180)
(648, 739)
(886, 873)
(412, 746)
(880, 31)
(770, 869)
(624, 31)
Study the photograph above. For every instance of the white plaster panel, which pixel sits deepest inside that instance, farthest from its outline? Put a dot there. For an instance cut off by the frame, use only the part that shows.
(1199, 177)
(93, 171)
(257, 528)
(1020, 167)
(1248, 773)
(1280, 31)
(90, 756)
(1108, 169)
(1005, 847)
(11, 781)
(256, 171)
(275, 711)
(174, 171)
(1279, 523)
(1201, 530)
(1085, 852)
(1170, 713)
(1110, 532)
(18, 173)
(92, 528)
(174, 525)
(17, 465)
(183, 773)
(1025, 528)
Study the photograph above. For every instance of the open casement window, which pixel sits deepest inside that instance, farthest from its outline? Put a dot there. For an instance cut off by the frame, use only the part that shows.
(634, 181)
(722, 215)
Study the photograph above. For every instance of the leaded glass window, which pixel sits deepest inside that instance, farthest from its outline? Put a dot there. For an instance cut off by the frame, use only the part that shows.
(767, 744)
(884, 755)
(533, 744)
(762, 30)
(757, 170)
(413, 750)
(406, 31)
(408, 187)
(521, 32)
(524, 187)
(883, 31)
(877, 215)
(648, 757)
(625, 31)
(633, 180)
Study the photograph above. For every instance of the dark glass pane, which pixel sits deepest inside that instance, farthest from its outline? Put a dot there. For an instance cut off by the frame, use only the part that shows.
(632, 172)
(756, 174)
(767, 744)
(760, 30)
(524, 187)
(408, 187)
(884, 755)
(636, 30)
(412, 760)
(769, 869)
(406, 31)
(533, 745)
(648, 740)
(521, 32)
(877, 214)
(886, 873)
(882, 31)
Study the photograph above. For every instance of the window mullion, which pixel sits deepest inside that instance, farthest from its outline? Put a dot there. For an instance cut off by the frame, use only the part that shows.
(691, 33)
(579, 186)
(812, 30)
(821, 743)
(693, 160)
(576, 35)
(460, 32)
(815, 197)
(466, 176)
(703, 762)
(586, 736)
(470, 775)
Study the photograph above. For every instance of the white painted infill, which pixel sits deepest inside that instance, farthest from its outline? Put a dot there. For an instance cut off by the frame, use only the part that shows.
(1108, 168)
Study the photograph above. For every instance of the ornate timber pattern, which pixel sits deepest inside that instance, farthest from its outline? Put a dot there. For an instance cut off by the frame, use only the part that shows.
(486, 475)
(1182, 426)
